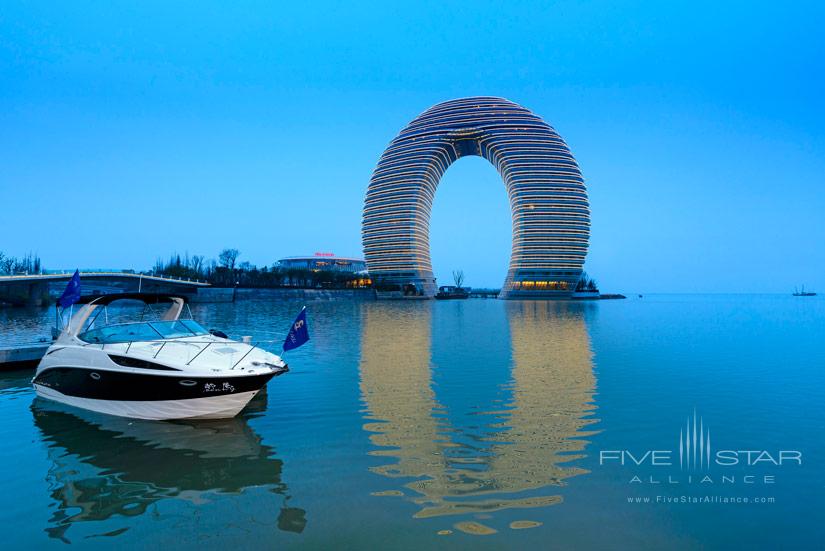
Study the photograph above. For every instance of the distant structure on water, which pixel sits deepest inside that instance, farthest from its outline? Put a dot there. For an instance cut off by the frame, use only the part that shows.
(551, 217)
(451, 292)
(803, 293)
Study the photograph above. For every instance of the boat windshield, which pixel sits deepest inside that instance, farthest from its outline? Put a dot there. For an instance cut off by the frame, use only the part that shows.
(178, 328)
(143, 331)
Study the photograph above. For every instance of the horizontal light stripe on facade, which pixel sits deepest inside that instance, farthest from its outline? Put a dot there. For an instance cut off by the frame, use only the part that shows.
(548, 198)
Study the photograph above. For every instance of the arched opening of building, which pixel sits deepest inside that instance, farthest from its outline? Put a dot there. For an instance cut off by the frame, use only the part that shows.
(471, 225)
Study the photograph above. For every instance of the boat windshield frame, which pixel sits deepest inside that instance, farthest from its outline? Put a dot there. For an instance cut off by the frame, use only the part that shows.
(147, 331)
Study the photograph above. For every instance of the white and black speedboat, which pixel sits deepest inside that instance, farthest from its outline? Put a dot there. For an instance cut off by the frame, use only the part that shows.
(171, 368)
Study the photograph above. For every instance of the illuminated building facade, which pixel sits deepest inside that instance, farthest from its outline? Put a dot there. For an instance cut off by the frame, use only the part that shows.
(548, 199)
(323, 262)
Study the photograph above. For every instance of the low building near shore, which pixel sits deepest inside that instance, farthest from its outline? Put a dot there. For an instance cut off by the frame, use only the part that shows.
(324, 262)
(354, 270)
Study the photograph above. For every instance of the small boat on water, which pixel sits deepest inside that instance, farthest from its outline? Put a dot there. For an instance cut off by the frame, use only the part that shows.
(170, 368)
(803, 293)
(449, 292)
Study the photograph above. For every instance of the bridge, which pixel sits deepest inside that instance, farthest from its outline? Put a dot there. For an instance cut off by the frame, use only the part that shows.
(37, 289)
(484, 293)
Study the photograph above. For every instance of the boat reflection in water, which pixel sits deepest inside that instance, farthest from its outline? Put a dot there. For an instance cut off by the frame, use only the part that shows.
(521, 458)
(107, 467)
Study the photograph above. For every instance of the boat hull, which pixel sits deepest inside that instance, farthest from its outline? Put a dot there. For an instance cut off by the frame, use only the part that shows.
(151, 395)
(214, 407)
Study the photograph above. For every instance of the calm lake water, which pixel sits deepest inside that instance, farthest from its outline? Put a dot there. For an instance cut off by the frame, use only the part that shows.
(469, 424)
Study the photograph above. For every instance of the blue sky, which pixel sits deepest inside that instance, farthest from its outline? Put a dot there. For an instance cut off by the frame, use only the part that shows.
(132, 130)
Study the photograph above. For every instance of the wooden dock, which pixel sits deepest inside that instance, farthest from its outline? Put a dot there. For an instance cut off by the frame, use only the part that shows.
(22, 357)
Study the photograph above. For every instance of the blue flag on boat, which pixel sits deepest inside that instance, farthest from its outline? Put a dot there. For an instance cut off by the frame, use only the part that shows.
(72, 292)
(298, 333)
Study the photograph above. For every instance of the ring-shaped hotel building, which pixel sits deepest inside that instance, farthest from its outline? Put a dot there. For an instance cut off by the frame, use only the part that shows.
(548, 199)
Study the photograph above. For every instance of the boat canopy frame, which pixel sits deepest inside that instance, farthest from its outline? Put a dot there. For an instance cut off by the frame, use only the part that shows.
(92, 303)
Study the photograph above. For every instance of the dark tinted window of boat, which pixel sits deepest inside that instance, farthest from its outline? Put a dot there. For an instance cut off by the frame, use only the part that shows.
(128, 361)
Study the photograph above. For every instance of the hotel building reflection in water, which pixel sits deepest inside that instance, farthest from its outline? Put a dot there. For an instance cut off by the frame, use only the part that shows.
(515, 454)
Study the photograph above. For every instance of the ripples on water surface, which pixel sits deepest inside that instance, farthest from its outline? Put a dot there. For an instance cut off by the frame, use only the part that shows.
(471, 423)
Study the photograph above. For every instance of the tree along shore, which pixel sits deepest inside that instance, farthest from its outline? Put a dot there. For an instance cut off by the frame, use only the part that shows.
(226, 271)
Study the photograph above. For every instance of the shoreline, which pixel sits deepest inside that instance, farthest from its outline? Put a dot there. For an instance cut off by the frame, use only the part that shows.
(206, 295)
